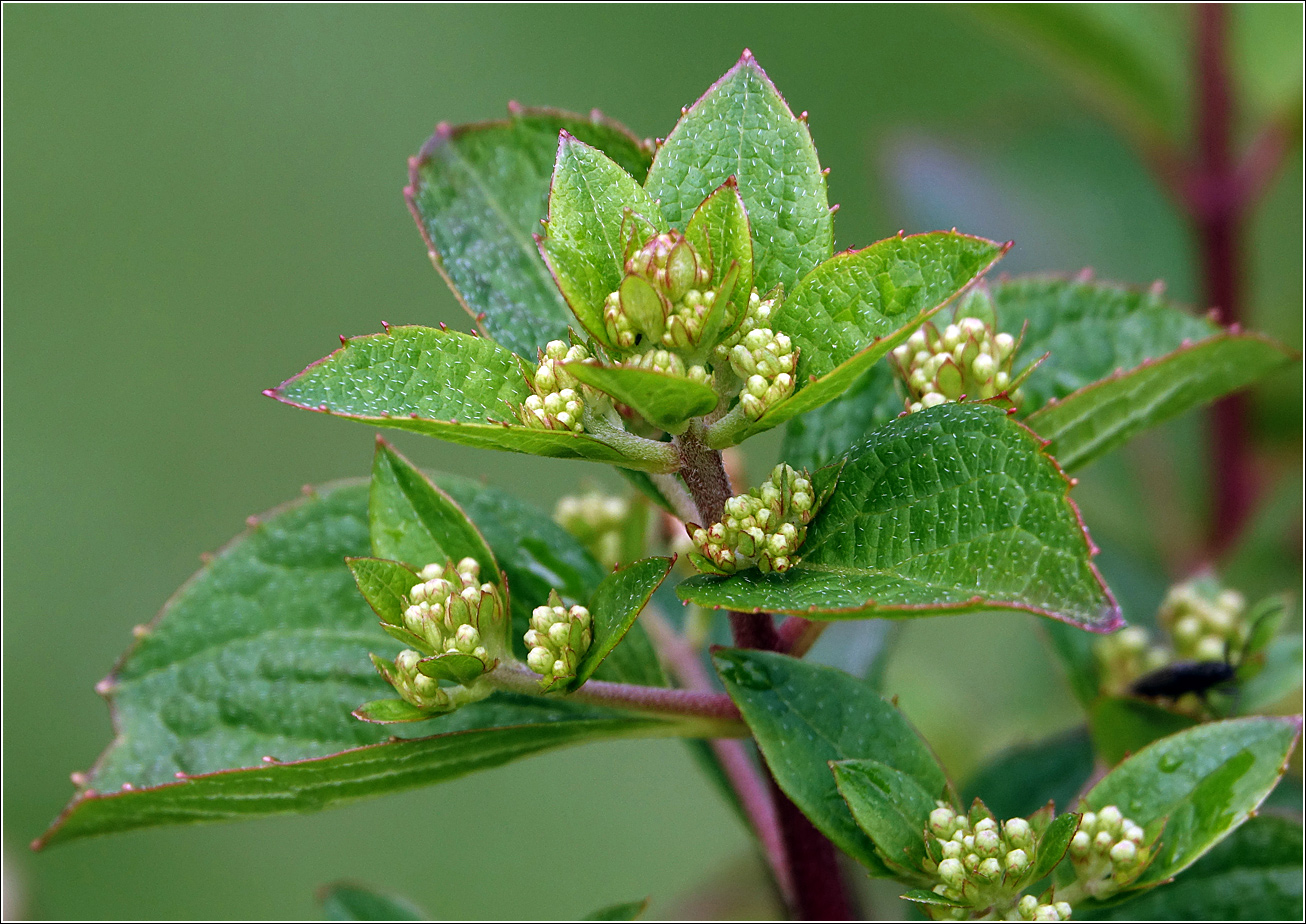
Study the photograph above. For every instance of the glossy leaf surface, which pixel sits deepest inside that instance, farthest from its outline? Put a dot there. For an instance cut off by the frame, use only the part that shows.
(415, 522)
(1203, 782)
(804, 716)
(452, 386)
(741, 127)
(614, 607)
(479, 192)
(666, 401)
(950, 509)
(584, 246)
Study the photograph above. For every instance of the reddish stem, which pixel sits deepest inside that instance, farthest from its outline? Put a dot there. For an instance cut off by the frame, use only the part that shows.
(818, 888)
(1218, 196)
(736, 762)
(821, 892)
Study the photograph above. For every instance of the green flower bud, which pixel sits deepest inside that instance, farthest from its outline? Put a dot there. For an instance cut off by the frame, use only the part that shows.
(1080, 844)
(1124, 853)
(1063, 910)
(964, 360)
(1017, 862)
(539, 659)
(987, 842)
(989, 870)
(411, 685)
(1026, 907)
(764, 527)
(952, 872)
(557, 640)
(557, 403)
(1018, 833)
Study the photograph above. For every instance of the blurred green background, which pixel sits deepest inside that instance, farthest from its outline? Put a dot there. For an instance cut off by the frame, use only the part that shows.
(199, 200)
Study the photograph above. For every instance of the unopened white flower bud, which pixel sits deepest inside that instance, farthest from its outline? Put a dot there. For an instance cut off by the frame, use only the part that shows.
(1124, 853)
(941, 821)
(952, 872)
(1080, 844)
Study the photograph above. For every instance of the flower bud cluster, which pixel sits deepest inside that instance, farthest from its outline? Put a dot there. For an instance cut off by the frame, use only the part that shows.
(413, 686)
(758, 315)
(597, 520)
(1125, 656)
(1030, 908)
(557, 639)
(663, 297)
(451, 607)
(1203, 620)
(766, 361)
(1108, 852)
(977, 860)
(558, 402)
(671, 364)
(966, 359)
(764, 527)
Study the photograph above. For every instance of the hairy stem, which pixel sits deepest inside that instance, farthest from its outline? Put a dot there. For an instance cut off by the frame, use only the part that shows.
(819, 892)
(515, 676)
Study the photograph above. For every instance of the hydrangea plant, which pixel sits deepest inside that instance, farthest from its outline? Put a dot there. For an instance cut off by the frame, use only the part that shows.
(650, 306)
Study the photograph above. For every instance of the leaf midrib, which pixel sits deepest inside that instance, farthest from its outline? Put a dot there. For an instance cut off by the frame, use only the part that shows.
(522, 240)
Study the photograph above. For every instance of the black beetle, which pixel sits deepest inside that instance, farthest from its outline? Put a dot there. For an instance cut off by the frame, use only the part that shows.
(1174, 680)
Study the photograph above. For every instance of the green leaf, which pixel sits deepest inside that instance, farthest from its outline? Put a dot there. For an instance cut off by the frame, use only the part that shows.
(390, 712)
(1279, 676)
(345, 901)
(854, 308)
(719, 231)
(264, 651)
(1203, 782)
(951, 509)
(415, 522)
(741, 127)
(1122, 360)
(1052, 845)
(584, 246)
(454, 667)
(1022, 779)
(1121, 727)
(314, 784)
(479, 192)
(452, 386)
(827, 433)
(1254, 874)
(622, 911)
(890, 807)
(855, 300)
(384, 585)
(616, 603)
(1092, 422)
(665, 401)
(926, 897)
(804, 716)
